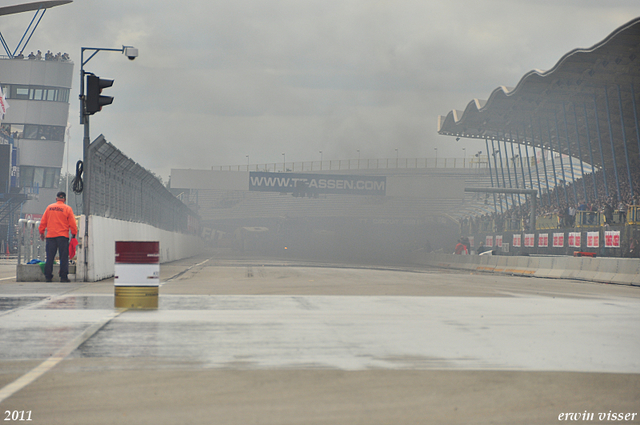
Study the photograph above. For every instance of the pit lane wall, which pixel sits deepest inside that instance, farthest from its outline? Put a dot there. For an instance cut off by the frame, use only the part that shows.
(103, 234)
(624, 271)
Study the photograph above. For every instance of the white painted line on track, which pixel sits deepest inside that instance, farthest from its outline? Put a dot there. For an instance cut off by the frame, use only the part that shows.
(184, 271)
(52, 361)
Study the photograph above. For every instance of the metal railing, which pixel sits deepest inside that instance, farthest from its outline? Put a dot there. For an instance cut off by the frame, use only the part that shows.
(30, 246)
(583, 219)
(633, 214)
(361, 164)
(545, 222)
(588, 219)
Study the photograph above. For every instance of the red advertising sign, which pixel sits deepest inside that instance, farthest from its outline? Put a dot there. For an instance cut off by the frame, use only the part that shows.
(517, 240)
(543, 240)
(593, 239)
(471, 241)
(612, 239)
(575, 239)
(489, 241)
(498, 241)
(33, 216)
(558, 240)
(528, 240)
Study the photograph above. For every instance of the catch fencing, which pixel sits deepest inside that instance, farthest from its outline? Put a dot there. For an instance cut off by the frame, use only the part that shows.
(121, 189)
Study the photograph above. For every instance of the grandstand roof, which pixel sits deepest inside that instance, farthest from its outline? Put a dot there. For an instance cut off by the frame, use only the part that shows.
(26, 7)
(576, 103)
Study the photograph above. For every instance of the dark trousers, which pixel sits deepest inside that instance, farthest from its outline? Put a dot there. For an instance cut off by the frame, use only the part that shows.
(61, 245)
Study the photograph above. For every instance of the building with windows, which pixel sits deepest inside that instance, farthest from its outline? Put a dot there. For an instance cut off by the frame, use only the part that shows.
(36, 87)
(37, 92)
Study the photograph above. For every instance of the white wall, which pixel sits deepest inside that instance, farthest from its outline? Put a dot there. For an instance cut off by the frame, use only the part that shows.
(209, 179)
(623, 271)
(104, 232)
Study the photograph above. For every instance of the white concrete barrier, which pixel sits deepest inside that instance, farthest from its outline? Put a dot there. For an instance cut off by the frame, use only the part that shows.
(103, 234)
(625, 271)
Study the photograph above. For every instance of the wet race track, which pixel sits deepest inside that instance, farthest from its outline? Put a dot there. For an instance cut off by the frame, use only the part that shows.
(269, 342)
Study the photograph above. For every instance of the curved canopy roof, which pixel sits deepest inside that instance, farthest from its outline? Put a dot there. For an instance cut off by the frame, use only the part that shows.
(587, 100)
(26, 7)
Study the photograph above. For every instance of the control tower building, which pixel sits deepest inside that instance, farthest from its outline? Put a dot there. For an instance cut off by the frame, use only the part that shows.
(36, 86)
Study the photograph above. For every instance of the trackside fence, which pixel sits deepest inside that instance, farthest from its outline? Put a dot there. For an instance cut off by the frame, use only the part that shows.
(121, 189)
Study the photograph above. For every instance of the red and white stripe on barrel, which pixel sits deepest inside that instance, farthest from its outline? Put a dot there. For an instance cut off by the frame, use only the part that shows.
(137, 274)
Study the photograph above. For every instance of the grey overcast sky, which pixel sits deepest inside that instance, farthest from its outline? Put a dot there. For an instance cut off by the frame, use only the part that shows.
(219, 80)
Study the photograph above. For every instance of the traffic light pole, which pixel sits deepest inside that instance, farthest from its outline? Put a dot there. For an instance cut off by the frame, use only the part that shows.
(86, 166)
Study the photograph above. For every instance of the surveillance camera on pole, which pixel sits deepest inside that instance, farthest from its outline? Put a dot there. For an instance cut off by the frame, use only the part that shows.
(91, 102)
(131, 52)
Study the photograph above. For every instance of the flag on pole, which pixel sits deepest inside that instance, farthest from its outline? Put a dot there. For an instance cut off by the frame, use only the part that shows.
(3, 104)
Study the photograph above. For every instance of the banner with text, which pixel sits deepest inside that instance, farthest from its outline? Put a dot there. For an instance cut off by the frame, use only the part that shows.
(612, 238)
(543, 240)
(529, 240)
(517, 240)
(488, 241)
(575, 239)
(317, 183)
(558, 240)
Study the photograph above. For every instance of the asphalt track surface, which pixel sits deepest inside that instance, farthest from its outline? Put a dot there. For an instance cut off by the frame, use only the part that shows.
(260, 341)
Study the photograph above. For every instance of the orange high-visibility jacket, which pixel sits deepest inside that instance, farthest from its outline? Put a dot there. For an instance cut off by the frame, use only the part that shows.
(58, 219)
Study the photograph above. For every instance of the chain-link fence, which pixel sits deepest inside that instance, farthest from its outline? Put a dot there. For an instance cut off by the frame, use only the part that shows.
(119, 188)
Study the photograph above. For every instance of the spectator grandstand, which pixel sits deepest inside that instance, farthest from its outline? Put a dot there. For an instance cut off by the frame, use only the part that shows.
(584, 111)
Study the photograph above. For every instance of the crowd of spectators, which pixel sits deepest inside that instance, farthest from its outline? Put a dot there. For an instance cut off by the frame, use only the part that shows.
(4, 135)
(561, 202)
(61, 57)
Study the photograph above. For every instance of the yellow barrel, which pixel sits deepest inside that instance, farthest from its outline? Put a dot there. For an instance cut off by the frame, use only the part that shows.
(140, 297)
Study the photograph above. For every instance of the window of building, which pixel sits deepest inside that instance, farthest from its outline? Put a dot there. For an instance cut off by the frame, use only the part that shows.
(49, 94)
(35, 94)
(20, 92)
(47, 177)
(16, 130)
(31, 131)
(38, 176)
(26, 176)
(35, 132)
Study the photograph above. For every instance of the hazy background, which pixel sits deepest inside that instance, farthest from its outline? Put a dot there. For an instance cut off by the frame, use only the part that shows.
(219, 80)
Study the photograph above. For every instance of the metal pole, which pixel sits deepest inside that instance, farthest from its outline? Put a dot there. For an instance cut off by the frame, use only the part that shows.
(524, 129)
(604, 168)
(524, 181)
(495, 207)
(553, 166)
(535, 157)
(573, 177)
(515, 171)
(593, 174)
(84, 120)
(624, 140)
(495, 163)
(613, 152)
(575, 119)
(504, 181)
(564, 178)
(635, 116)
(506, 158)
(86, 163)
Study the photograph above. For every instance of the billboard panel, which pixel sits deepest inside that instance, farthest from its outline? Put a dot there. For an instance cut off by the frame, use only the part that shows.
(317, 183)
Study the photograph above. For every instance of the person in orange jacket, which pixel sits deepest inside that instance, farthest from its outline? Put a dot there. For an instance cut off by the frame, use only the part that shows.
(58, 220)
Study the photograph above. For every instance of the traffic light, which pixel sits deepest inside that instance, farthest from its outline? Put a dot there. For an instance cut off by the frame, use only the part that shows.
(94, 101)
